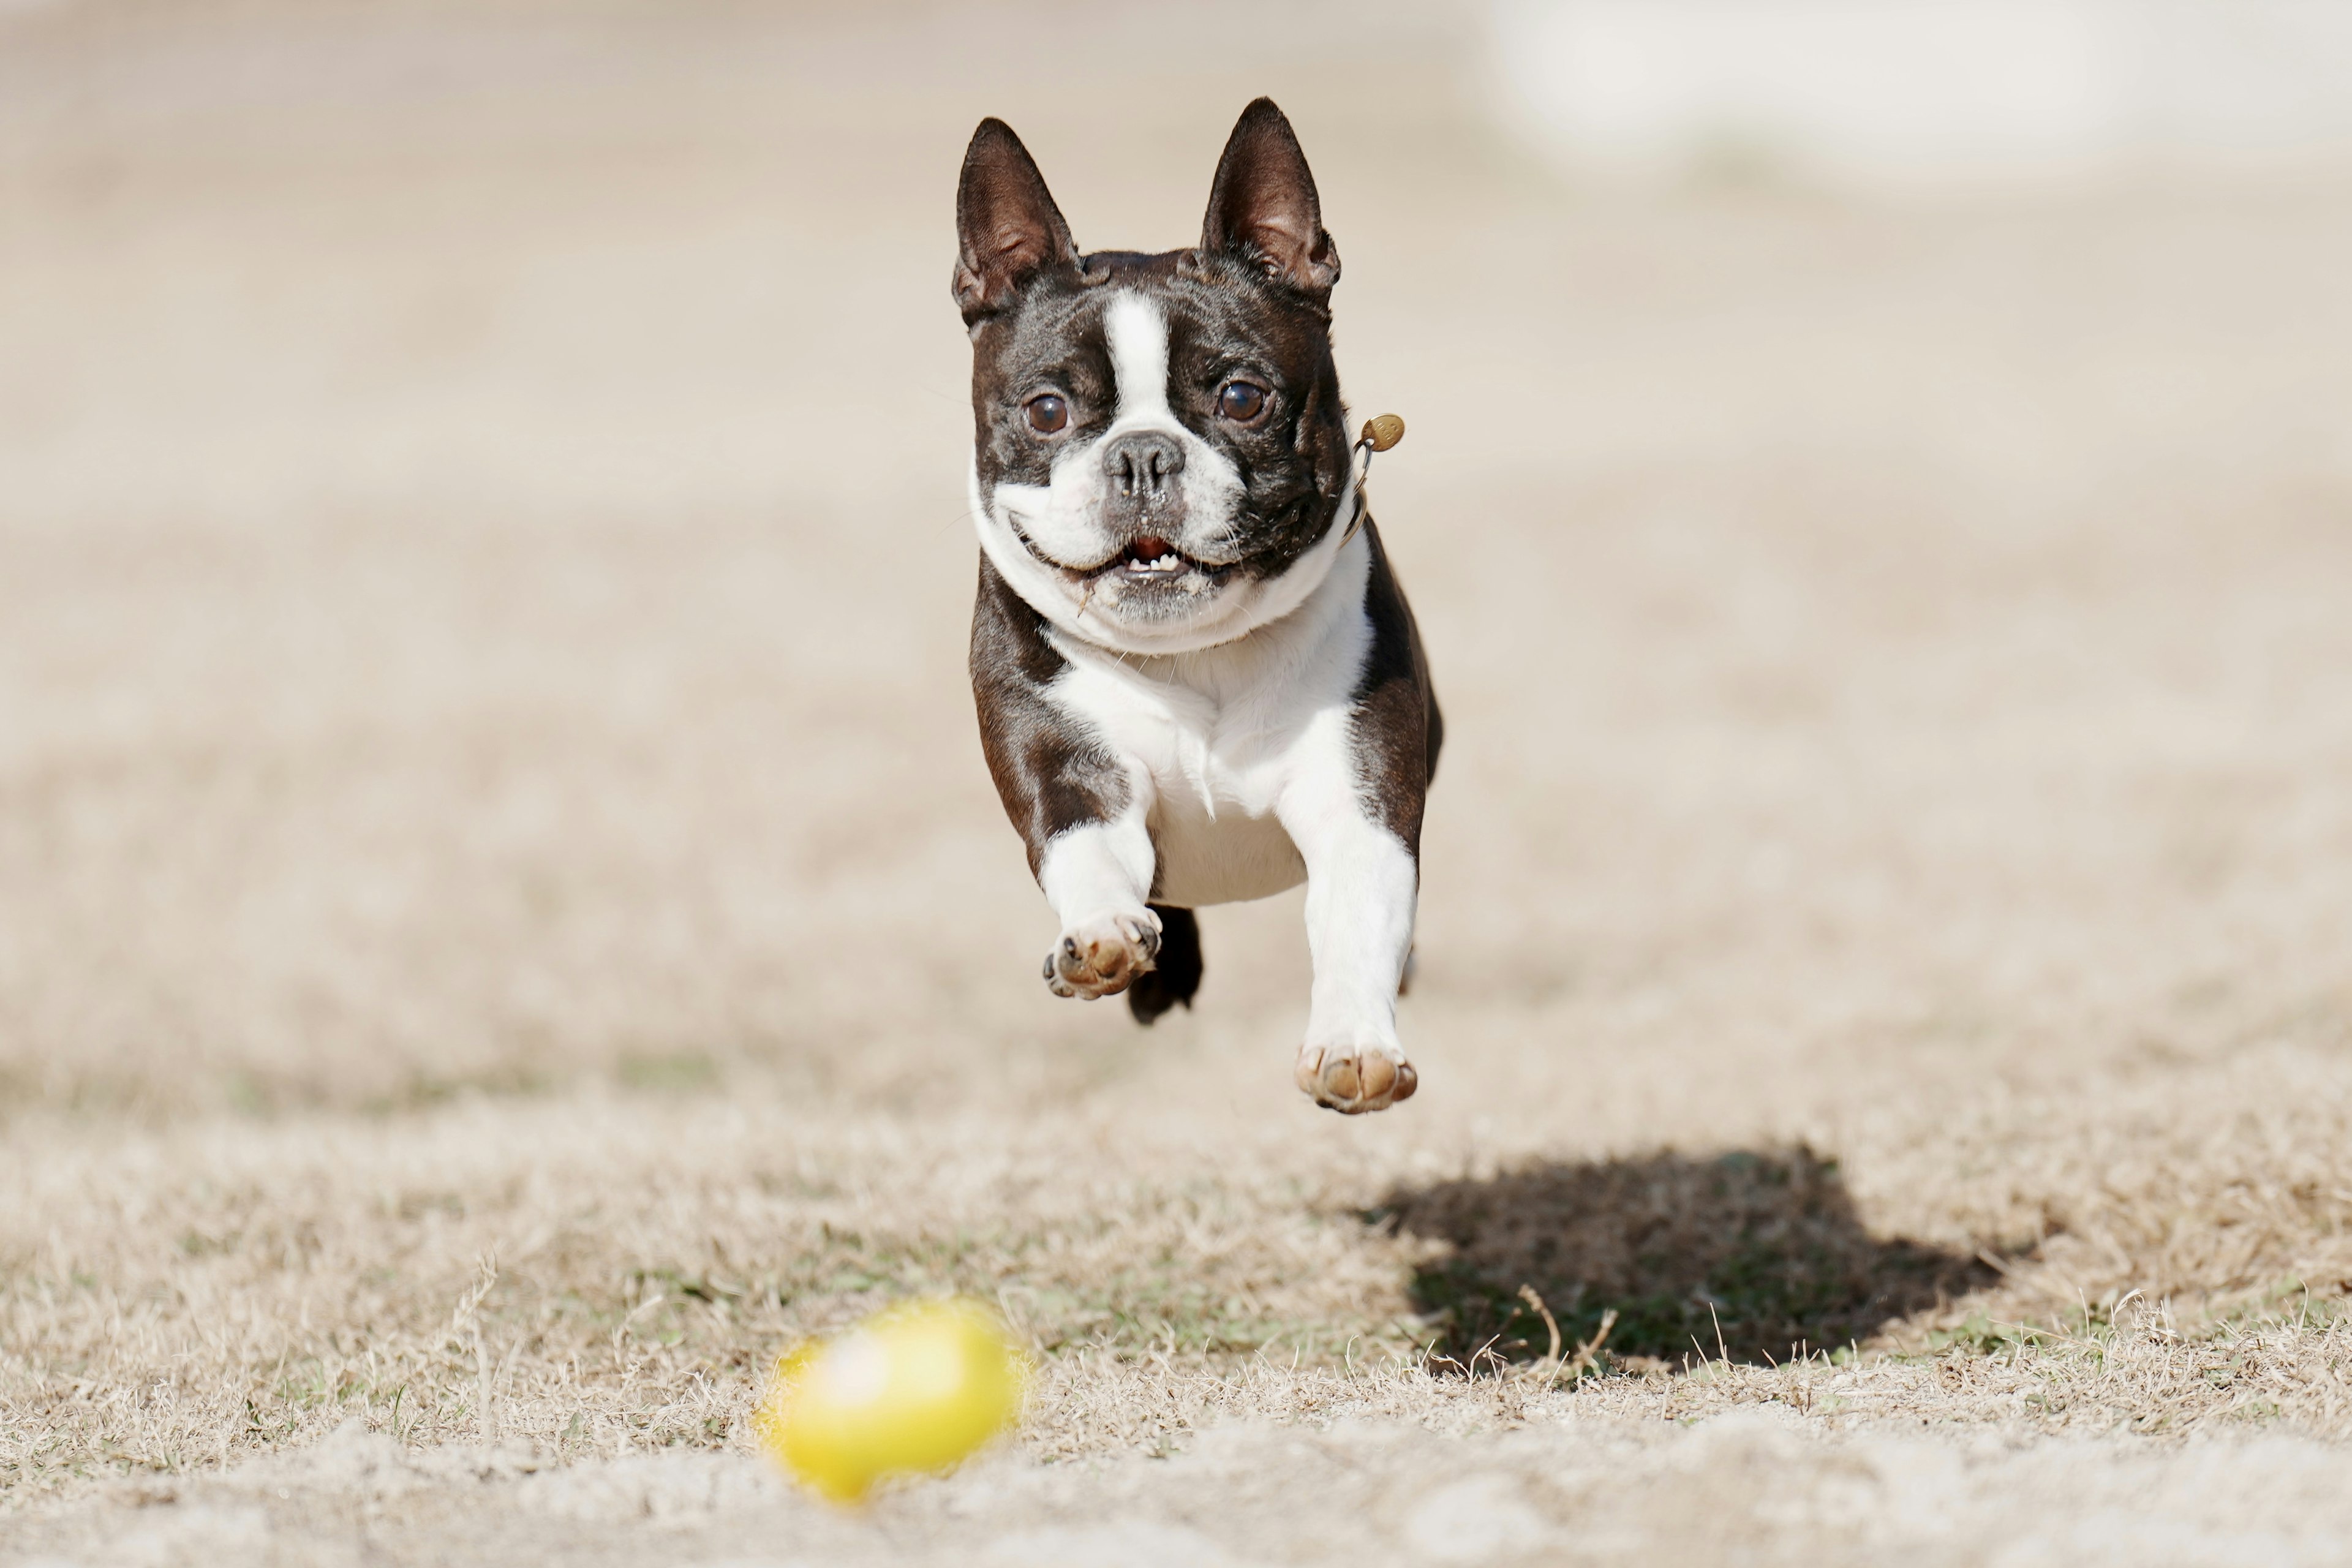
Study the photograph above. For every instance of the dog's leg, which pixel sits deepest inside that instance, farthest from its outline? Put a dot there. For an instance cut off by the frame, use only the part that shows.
(1353, 807)
(1098, 877)
(1082, 809)
(1362, 886)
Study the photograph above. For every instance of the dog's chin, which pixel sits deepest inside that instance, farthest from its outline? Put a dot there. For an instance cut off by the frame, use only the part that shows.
(1149, 585)
(1168, 598)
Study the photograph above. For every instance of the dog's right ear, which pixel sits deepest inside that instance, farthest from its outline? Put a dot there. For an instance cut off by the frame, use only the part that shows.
(1007, 226)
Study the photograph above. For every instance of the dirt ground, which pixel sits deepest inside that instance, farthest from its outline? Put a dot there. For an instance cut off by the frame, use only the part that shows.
(503, 925)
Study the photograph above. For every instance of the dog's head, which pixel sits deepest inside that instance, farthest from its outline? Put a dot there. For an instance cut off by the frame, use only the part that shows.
(1160, 457)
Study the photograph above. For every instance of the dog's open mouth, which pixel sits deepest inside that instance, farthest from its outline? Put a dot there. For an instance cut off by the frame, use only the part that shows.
(1145, 559)
(1150, 556)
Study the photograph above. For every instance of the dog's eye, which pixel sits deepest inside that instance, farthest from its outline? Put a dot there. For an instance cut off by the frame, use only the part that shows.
(1047, 413)
(1241, 401)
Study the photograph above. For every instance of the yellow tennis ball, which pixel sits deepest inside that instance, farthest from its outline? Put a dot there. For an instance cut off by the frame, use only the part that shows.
(913, 1389)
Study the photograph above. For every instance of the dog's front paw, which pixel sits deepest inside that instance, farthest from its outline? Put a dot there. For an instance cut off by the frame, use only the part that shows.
(1101, 957)
(1355, 1079)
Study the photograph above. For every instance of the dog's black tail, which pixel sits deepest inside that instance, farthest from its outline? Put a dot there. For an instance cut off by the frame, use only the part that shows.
(1177, 975)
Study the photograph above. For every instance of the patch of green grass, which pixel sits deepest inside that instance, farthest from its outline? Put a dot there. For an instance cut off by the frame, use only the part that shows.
(1979, 1334)
(676, 1072)
(1161, 1306)
(423, 1091)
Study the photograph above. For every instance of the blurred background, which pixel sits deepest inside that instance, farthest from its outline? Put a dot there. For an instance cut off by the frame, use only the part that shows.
(483, 573)
(1925, 93)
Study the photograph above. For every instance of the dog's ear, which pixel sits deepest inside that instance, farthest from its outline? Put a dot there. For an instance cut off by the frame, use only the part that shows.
(1262, 207)
(1007, 226)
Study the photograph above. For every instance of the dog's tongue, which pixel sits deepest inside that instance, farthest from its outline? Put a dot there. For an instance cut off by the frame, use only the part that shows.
(1151, 547)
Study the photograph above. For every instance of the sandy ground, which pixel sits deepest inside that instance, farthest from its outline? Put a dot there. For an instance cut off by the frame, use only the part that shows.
(503, 925)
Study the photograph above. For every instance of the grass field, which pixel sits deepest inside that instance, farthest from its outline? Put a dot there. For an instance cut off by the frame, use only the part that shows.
(503, 924)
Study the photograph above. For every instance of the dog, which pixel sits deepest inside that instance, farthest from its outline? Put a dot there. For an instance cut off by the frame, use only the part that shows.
(1198, 680)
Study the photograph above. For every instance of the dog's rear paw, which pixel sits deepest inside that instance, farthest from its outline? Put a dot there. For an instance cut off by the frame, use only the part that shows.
(1102, 957)
(1354, 1080)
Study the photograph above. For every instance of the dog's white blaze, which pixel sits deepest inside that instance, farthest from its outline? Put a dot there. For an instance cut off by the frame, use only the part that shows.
(1248, 785)
(1137, 330)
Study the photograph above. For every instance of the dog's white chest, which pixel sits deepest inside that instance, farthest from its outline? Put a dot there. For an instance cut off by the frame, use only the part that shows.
(1218, 737)
(1213, 818)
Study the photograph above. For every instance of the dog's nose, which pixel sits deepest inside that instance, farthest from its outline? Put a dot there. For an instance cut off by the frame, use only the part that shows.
(1143, 464)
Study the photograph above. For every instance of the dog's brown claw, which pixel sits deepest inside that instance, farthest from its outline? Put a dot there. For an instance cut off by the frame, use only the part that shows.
(1102, 957)
(1355, 1081)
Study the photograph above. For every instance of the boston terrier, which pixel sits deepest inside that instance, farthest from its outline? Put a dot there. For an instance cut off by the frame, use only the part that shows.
(1198, 680)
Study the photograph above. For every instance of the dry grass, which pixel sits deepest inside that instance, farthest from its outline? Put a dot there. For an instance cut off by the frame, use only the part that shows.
(502, 925)
(599, 1275)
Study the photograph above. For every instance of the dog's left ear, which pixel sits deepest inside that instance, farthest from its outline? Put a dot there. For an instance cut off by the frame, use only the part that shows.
(1007, 228)
(1262, 206)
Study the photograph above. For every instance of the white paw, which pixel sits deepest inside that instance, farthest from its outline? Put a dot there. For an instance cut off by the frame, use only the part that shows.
(1102, 956)
(1352, 1079)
